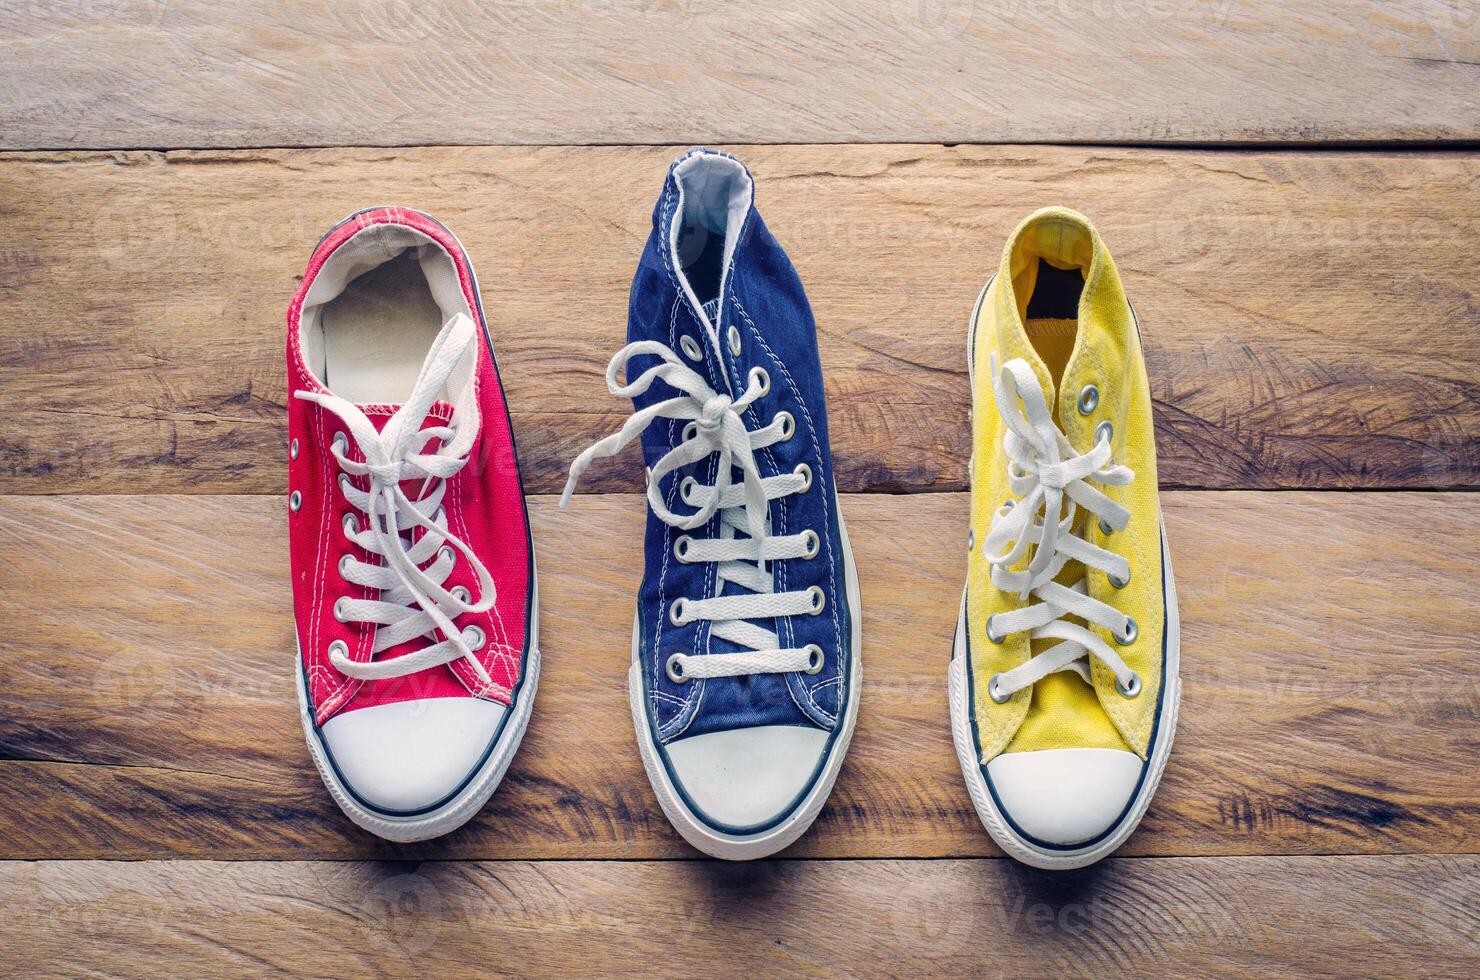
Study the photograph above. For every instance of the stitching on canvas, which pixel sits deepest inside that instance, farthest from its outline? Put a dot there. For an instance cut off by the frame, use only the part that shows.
(365, 642)
(711, 474)
(497, 655)
(768, 453)
(499, 645)
(662, 587)
(711, 571)
(335, 693)
(820, 476)
(654, 679)
(665, 228)
(688, 718)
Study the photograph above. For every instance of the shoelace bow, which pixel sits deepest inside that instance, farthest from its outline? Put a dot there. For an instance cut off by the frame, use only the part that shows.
(716, 426)
(1043, 470)
(413, 601)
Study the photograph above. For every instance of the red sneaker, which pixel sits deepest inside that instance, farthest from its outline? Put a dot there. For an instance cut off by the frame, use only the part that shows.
(413, 573)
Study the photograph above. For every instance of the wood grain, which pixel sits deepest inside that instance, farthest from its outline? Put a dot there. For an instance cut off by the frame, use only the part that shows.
(1237, 917)
(172, 73)
(1311, 320)
(148, 706)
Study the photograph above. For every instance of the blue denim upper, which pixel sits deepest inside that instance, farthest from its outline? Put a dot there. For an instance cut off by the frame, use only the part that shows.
(762, 297)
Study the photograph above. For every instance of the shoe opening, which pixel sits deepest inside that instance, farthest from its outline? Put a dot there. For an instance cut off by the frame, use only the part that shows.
(373, 310)
(1052, 255)
(715, 193)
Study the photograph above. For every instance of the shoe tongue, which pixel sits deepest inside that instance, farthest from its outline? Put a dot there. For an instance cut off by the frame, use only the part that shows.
(379, 413)
(1053, 339)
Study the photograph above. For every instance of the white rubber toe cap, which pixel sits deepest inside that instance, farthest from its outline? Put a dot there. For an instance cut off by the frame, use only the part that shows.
(411, 755)
(746, 776)
(1065, 796)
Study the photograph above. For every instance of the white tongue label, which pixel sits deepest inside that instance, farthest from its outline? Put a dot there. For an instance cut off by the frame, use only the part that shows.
(711, 309)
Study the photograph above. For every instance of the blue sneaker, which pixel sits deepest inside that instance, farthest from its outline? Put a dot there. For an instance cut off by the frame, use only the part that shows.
(745, 650)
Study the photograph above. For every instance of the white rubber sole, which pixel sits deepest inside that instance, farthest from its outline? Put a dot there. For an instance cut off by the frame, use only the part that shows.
(745, 848)
(461, 808)
(1061, 859)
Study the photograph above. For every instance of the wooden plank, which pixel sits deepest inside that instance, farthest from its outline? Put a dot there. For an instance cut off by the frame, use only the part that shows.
(151, 73)
(1310, 320)
(1412, 915)
(148, 706)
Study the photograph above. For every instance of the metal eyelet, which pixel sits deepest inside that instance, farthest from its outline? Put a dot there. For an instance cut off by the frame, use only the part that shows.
(1131, 632)
(474, 637)
(1104, 431)
(819, 599)
(733, 336)
(675, 612)
(994, 692)
(344, 565)
(1105, 527)
(1130, 690)
(341, 443)
(688, 484)
(992, 635)
(340, 647)
(351, 525)
(1119, 583)
(1089, 398)
(788, 425)
(681, 547)
(971, 539)
(344, 485)
(691, 432)
(691, 348)
(812, 543)
(295, 500)
(675, 669)
(815, 658)
(759, 376)
(293, 449)
(339, 608)
(1008, 505)
(461, 594)
(805, 472)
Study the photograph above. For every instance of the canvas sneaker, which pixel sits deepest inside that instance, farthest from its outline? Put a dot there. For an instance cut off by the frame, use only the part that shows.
(745, 647)
(413, 573)
(1063, 681)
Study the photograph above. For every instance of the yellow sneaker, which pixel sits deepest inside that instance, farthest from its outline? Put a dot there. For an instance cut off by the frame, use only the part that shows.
(1064, 675)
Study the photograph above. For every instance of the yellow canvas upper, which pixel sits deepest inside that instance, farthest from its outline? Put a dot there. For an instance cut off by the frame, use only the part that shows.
(1102, 348)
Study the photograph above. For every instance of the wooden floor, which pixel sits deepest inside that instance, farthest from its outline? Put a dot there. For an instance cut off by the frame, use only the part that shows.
(1292, 192)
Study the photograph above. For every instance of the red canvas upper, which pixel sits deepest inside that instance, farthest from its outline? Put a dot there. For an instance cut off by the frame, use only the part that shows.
(484, 502)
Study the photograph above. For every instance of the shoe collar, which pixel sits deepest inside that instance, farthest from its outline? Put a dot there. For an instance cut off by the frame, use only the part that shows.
(370, 240)
(1064, 239)
(706, 192)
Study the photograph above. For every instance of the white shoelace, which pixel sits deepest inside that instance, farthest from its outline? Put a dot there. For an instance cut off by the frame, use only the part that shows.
(413, 601)
(1043, 469)
(715, 426)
